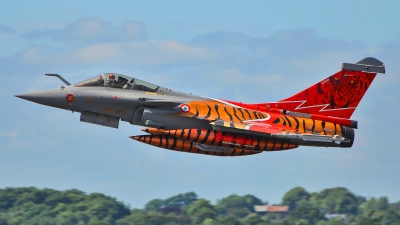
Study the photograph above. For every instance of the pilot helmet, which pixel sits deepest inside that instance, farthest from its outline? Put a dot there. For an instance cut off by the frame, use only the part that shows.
(111, 76)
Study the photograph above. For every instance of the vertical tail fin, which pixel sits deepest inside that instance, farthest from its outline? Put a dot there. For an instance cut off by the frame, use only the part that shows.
(337, 95)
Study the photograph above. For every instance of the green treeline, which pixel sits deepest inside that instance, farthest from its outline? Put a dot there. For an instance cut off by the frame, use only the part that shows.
(29, 206)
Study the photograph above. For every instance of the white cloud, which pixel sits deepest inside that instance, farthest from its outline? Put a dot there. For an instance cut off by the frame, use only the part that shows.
(92, 30)
(151, 52)
(33, 55)
(9, 134)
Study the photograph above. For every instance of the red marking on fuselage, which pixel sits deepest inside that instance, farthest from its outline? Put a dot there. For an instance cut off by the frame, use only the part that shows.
(70, 97)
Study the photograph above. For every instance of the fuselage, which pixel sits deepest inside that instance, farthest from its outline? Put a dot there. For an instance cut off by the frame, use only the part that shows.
(218, 123)
(317, 116)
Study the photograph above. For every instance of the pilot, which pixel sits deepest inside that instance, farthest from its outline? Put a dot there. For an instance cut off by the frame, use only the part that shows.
(111, 80)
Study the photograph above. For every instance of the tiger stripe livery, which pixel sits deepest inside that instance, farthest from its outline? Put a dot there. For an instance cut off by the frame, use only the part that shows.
(306, 125)
(213, 110)
(176, 144)
(226, 139)
(317, 116)
(229, 140)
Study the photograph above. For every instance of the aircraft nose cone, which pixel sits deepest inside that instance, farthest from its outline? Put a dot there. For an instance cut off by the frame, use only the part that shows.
(41, 97)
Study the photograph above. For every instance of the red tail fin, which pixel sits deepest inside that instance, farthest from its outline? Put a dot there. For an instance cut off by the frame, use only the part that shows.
(337, 95)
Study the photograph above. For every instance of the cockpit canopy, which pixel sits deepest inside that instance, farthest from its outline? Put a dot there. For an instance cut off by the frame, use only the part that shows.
(115, 80)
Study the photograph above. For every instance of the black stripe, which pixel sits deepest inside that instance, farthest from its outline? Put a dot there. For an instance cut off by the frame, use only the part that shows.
(197, 113)
(198, 135)
(289, 123)
(220, 142)
(166, 140)
(323, 126)
(222, 139)
(208, 113)
(213, 140)
(241, 153)
(230, 116)
(273, 144)
(313, 126)
(247, 111)
(281, 145)
(233, 151)
(174, 143)
(304, 125)
(216, 109)
(255, 114)
(160, 137)
(189, 134)
(261, 115)
(206, 137)
(297, 122)
(257, 147)
(182, 133)
(151, 138)
(234, 113)
(335, 128)
(240, 110)
(266, 144)
(191, 146)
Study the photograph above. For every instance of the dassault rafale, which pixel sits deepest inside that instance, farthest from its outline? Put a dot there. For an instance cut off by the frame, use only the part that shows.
(317, 116)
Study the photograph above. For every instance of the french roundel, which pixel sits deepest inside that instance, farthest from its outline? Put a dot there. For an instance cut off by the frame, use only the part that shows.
(185, 108)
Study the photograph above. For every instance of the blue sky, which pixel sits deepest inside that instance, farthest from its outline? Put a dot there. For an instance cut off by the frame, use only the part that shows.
(252, 52)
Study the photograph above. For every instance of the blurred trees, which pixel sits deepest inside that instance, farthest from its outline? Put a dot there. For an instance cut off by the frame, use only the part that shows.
(32, 206)
(201, 210)
(47, 206)
(238, 206)
(295, 195)
(306, 213)
(335, 201)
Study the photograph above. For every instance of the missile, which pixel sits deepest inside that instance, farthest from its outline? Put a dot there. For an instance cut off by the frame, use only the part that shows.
(153, 130)
(176, 144)
(231, 140)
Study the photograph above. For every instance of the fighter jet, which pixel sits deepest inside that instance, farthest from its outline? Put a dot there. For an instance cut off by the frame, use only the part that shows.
(317, 116)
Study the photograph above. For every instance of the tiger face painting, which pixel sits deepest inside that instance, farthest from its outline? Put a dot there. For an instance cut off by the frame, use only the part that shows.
(343, 89)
